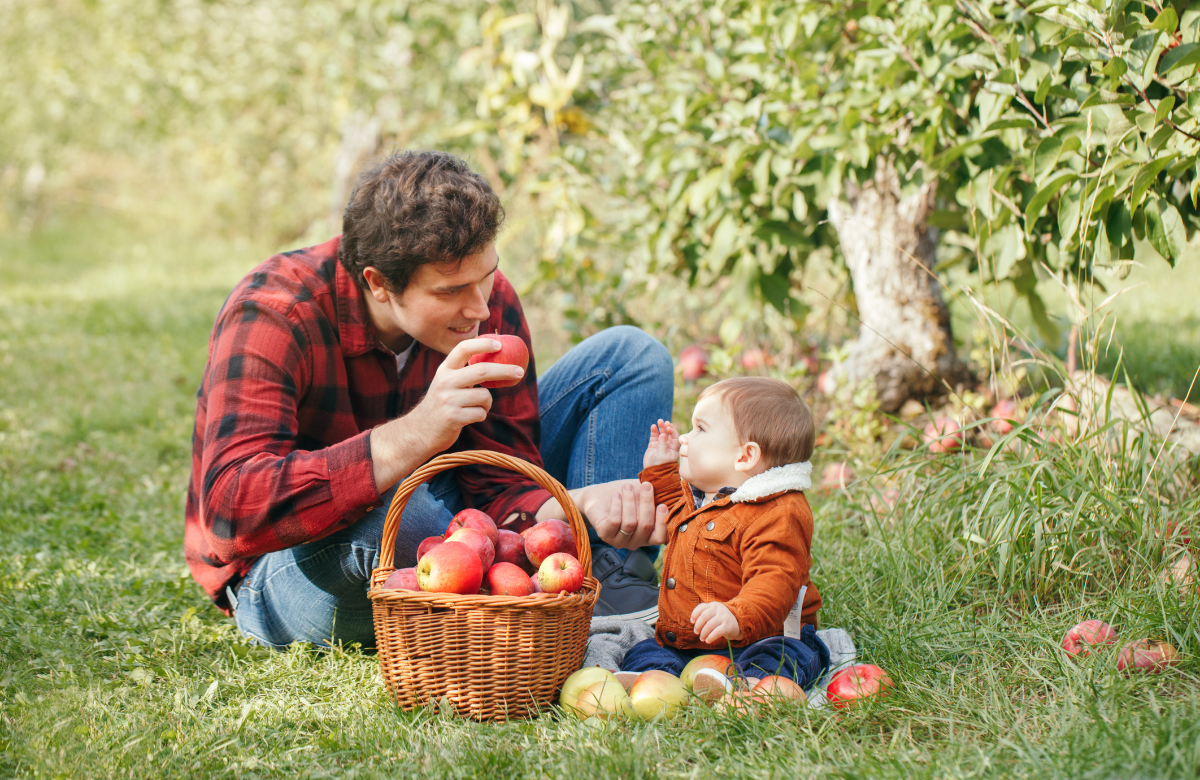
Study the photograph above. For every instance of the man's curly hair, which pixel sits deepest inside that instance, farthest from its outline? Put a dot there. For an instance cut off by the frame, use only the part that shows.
(413, 208)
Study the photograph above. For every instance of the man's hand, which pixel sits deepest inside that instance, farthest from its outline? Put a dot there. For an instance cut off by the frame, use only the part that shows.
(713, 621)
(433, 425)
(663, 446)
(624, 515)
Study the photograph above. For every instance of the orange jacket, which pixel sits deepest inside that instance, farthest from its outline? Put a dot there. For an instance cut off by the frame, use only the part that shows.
(750, 550)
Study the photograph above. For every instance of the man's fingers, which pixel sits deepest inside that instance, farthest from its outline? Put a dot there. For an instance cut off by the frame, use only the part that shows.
(483, 372)
(462, 354)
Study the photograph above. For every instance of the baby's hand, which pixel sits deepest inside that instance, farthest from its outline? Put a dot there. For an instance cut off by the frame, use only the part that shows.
(663, 446)
(713, 621)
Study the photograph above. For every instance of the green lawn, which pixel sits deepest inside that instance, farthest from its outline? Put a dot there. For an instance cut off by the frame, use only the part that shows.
(113, 664)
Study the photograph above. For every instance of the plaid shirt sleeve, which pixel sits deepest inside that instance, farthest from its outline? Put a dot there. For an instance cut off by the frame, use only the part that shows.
(260, 491)
(512, 427)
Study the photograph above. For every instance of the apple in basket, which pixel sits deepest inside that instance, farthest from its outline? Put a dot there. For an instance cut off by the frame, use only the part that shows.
(511, 549)
(860, 681)
(452, 567)
(480, 521)
(533, 583)
(477, 542)
(506, 579)
(547, 538)
(560, 573)
(427, 544)
(512, 352)
(403, 579)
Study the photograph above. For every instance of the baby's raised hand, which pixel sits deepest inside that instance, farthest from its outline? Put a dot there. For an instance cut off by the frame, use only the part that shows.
(663, 446)
(714, 621)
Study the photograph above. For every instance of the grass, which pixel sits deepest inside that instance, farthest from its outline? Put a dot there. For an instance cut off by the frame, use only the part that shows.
(115, 665)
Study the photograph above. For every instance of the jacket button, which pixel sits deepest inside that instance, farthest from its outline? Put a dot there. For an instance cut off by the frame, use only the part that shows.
(710, 526)
(670, 636)
(683, 528)
(670, 583)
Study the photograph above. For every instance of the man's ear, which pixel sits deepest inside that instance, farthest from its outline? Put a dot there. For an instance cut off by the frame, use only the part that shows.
(376, 283)
(749, 457)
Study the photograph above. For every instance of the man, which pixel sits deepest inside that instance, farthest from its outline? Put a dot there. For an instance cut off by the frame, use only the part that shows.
(337, 370)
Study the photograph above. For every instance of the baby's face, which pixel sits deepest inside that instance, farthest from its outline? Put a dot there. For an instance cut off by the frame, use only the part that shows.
(708, 452)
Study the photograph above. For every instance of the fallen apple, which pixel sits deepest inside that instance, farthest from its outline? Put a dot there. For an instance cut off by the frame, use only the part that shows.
(547, 538)
(693, 361)
(452, 567)
(1078, 640)
(1180, 574)
(403, 579)
(1005, 413)
(513, 352)
(568, 697)
(507, 579)
(606, 700)
(560, 573)
(943, 435)
(837, 475)
(1147, 655)
(756, 358)
(480, 521)
(779, 687)
(718, 663)
(477, 542)
(860, 681)
(510, 548)
(427, 544)
(737, 702)
(658, 694)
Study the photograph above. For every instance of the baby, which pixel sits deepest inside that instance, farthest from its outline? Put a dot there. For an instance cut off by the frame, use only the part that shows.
(738, 535)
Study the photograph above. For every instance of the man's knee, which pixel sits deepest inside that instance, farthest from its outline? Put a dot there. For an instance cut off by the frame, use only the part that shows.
(636, 345)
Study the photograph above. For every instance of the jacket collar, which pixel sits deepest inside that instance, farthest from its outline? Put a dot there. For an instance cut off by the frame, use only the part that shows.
(791, 476)
(355, 331)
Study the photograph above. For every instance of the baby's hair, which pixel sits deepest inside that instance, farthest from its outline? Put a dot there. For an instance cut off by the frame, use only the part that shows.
(770, 413)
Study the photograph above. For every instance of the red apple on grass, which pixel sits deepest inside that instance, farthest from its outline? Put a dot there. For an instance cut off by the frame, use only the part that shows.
(1147, 655)
(1005, 412)
(943, 435)
(512, 352)
(694, 362)
(452, 567)
(547, 538)
(837, 475)
(756, 358)
(1079, 640)
(560, 573)
(857, 682)
(480, 521)
(477, 542)
(511, 549)
(507, 579)
(779, 687)
(403, 579)
(427, 544)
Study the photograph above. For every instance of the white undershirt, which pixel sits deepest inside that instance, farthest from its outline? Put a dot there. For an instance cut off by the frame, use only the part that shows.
(402, 358)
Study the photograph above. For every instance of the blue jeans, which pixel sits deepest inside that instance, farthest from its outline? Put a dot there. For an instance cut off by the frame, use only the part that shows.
(801, 660)
(597, 403)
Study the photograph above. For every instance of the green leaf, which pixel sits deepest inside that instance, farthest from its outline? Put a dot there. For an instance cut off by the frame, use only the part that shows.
(1102, 251)
(1155, 232)
(1176, 234)
(1043, 196)
(1164, 108)
(1166, 21)
(776, 290)
(1037, 308)
(1146, 177)
(1115, 68)
(724, 238)
(1045, 157)
(1181, 56)
(1068, 215)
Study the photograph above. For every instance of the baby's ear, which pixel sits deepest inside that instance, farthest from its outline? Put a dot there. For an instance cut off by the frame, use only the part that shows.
(749, 457)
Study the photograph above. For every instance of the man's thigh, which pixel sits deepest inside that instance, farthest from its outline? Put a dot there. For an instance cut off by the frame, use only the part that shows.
(317, 592)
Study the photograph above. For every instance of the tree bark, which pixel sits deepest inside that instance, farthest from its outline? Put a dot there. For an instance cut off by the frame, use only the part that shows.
(904, 343)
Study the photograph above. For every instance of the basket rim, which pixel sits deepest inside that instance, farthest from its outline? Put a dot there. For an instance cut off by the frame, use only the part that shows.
(543, 602)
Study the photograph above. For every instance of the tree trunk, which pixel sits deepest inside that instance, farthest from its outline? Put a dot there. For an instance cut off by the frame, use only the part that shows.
(904, 342)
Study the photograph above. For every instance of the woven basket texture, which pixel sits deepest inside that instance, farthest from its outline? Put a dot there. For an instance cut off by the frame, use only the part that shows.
(491, 658)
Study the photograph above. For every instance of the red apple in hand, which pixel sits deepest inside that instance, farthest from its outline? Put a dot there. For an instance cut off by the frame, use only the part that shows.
(1147, 655)
(511, 549)
(1079, 640)
(858, 682)
(560, 573)
(506, 579)
(402, 579)
(477, 542)
(512, 352)
(427, 544)
(694, 362)
(452, 567)
(480, 521)
(547, 538)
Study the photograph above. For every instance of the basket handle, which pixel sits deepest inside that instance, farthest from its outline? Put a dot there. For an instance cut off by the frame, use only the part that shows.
(387, 553)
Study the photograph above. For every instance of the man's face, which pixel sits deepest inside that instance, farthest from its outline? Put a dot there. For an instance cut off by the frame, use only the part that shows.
(443, 303)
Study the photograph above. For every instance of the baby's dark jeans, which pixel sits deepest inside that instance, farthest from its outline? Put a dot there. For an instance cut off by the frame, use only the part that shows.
(802, 660)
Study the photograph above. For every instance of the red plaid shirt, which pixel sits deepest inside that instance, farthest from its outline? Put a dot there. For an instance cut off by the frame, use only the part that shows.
(296, 379)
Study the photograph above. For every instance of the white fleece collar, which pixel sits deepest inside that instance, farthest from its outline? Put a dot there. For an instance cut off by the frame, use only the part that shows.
(792, 476)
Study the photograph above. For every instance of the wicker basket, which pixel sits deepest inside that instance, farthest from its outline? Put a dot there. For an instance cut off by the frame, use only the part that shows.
(491, 657)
